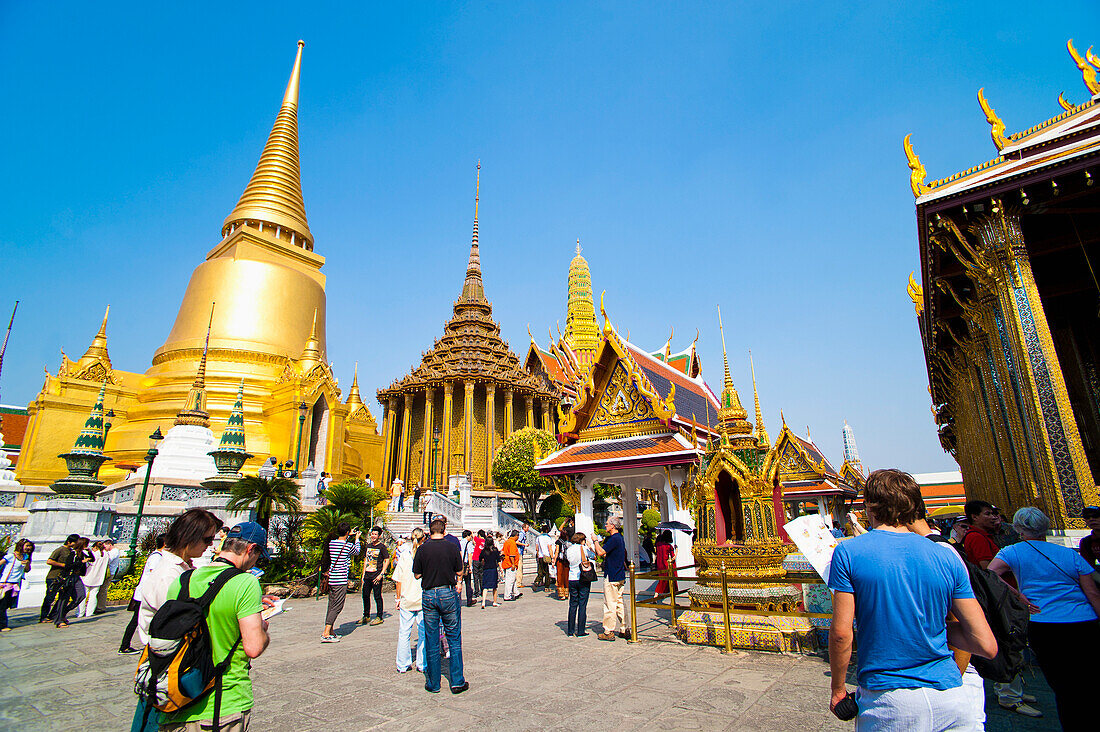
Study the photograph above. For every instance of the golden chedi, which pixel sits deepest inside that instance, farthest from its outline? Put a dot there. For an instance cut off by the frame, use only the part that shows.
(263, 282)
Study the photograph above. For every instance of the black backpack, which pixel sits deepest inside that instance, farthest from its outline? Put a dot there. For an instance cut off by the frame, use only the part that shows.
(177, 668)
(1007, 616)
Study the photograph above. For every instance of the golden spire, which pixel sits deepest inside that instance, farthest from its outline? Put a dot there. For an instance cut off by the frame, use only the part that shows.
(97, 351)
(274, 194)
(761, 432)
(582, 332)
(731, 415)
(355, 399)
(1088, 72)
(473, 288)
(998, 126)
(916, 169)
(311, 354)
(194, 411)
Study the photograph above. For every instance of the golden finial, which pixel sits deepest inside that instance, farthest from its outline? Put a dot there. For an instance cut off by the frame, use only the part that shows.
(782, 418)
(998, 126)
(578, 246)
(916, 168)
(273, 195)
(725, 360)
(761, 432)
(1088, 72)
(1064, 103)
(668, 345)
(607, 326)
(916, 293)
(529, 335)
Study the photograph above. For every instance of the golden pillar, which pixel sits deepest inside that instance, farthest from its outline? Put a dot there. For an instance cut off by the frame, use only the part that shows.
(387, 442)
(448, 413)
(426, 462)
(468, 427)
(546, 414)
(530, 410)
(490, 430)
(507, 413)
(403, 451)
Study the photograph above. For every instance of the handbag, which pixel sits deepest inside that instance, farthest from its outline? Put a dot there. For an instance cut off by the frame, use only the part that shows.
(587, 574)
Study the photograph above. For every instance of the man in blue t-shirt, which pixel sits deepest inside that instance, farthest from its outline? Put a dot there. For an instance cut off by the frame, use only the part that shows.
(613, 551)
(898, 589)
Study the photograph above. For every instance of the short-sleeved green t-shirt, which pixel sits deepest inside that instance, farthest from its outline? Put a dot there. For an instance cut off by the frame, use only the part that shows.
(239, 598)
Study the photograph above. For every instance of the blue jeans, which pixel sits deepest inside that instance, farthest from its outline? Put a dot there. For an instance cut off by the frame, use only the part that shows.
(578, 606)
(409, 620)
(442, 607)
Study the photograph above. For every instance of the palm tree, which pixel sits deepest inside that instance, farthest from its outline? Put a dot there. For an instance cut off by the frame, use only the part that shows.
(354, 497)
(321, 525)
(265, 496)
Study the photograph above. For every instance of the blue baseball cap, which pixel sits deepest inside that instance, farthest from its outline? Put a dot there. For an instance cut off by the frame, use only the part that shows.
(251, 532)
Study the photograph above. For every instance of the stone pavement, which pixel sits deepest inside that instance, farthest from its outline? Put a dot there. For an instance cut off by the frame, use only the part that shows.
(524, 674)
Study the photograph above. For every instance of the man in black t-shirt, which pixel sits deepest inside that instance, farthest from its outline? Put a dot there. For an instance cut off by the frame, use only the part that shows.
(438, 566)
(55, 579)
(376, 559)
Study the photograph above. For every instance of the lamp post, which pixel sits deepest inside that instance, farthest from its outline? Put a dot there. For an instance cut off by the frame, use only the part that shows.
(302, 408)
(154, 440)
(435, 447)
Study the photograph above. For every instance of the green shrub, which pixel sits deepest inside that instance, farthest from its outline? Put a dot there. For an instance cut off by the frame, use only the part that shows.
(123, 587)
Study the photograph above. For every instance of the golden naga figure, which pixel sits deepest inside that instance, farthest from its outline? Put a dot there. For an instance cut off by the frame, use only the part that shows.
(917, 173)
(1088, 67)
(998, 126)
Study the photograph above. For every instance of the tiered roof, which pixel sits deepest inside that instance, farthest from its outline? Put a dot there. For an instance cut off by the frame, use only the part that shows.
(471, 348)
(805, 472)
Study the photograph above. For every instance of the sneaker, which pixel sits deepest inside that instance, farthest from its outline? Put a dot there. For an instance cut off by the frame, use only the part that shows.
(606, 636)
(509, 599)
(128, 651)
(404, 670)
(1024, 709)
(330, 639)
(1028, 698)
(376, 621)
(363, 620)
(518, 595)
(460, 689)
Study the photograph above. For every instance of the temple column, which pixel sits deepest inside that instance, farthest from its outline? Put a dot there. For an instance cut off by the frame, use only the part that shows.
(546, 414)
(530, 399)
(403, 450)
(507, 413)
(426, 462)
(583, 520)
(448, 413)
(629, 500)
(490, 430)
(387, 441)
(672, 511)
(1047, 399)
(468, 427)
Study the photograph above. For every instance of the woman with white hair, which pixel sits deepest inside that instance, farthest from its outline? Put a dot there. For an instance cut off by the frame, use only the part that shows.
(1060, 583)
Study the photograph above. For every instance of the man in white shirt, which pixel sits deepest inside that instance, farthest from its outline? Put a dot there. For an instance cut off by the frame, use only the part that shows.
(544, 554)
(113, 557)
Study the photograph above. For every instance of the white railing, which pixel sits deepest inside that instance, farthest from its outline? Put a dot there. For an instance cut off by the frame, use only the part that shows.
(506, 523)
(439, 503)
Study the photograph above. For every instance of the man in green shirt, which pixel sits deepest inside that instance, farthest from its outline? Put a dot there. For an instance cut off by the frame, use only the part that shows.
(234, 613)
(54, 581)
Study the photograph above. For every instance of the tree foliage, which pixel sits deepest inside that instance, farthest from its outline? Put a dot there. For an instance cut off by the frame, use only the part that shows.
(356, 498)
(322, 524)
(514, 466)
(265, 496)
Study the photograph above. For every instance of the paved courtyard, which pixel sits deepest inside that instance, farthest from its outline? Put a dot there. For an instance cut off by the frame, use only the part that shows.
(523, 672)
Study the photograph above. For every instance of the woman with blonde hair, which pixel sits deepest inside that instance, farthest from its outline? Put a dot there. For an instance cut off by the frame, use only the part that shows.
(1060, 582)
(409, 606)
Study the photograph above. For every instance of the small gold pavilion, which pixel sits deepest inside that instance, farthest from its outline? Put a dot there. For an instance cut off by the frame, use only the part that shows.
(427, 436)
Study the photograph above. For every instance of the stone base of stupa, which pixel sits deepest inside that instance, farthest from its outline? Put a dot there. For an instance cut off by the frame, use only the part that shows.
(50, 522)
(747, 632)
(184, 454)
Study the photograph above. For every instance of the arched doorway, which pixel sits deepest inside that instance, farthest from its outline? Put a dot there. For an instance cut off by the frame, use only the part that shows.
(728, 524)
(318, 433)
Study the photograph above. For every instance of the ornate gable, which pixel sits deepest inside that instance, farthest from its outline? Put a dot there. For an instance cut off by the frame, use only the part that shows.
(621, 405)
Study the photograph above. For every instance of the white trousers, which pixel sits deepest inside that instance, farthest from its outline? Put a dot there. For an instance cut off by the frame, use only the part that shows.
(917, 710)
(509, 584)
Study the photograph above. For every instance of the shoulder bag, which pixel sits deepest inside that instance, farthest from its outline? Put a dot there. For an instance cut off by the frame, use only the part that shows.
(324, 575)
(588, 569)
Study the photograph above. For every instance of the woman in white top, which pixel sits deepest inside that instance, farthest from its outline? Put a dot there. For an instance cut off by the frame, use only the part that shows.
(13, 568)
(409, 606)
(579, 556)
(93, 578)
(186, 539)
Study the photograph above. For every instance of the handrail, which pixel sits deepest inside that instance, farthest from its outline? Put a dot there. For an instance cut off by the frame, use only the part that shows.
(506, 521)
(438, 503)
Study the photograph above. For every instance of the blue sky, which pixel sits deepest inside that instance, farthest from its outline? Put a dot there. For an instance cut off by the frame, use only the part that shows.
(704, 153)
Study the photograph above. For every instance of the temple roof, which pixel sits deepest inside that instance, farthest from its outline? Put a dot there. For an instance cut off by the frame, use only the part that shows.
(804, 471)
(471, 348)
(666, 449)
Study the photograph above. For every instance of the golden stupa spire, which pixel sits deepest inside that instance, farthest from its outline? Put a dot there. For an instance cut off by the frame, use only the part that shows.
(761, 432)
(355, 399)
(732, 417)
(311, 354)
(472, 288)
(194, 411)
(274, 194)
(97, 351)
(582, 332)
